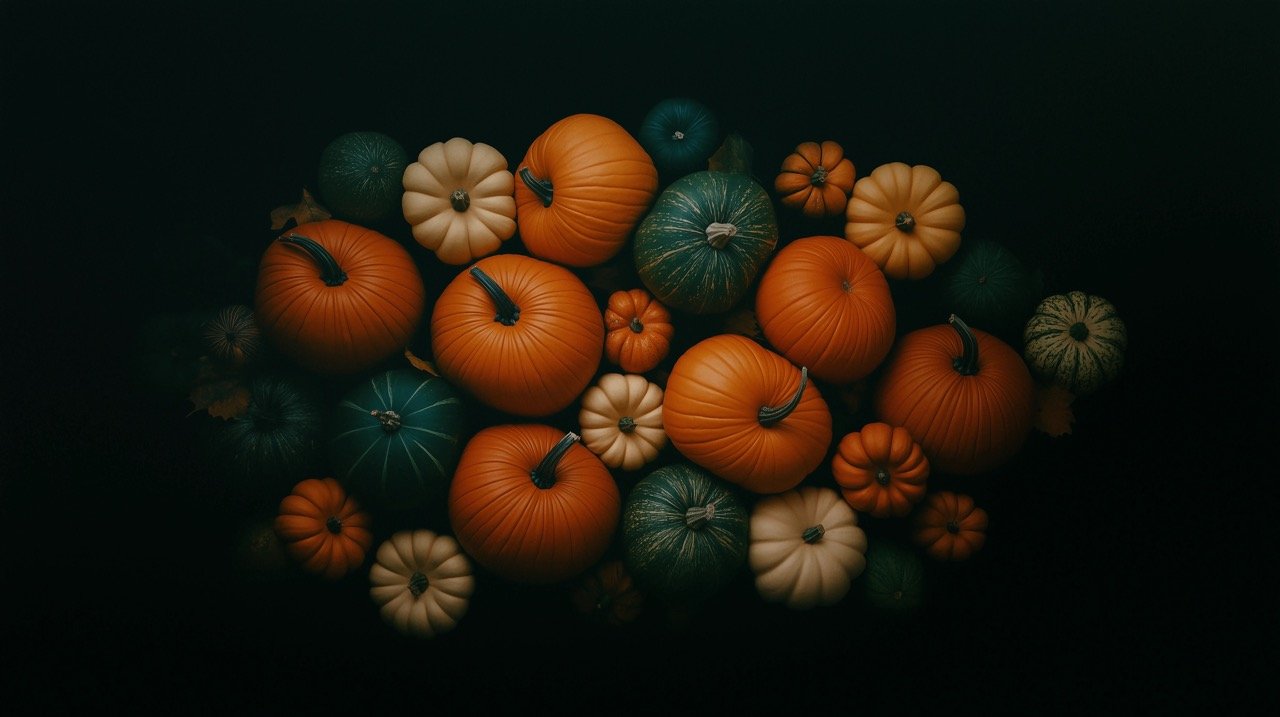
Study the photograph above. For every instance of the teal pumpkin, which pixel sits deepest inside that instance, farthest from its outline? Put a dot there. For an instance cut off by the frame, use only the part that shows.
(393, 440)
(894, 580)
(680, 134)
(361, 175)
(685, 534)
(705, 239)
(989, 286)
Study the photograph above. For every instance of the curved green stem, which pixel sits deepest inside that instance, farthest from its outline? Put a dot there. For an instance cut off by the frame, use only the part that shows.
(769, 415)
(540, 187)
(508, 313)
(330, 272)
(544, 475)
(967, 363)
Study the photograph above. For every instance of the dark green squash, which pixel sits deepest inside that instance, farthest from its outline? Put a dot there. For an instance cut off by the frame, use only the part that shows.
(679, 134)
(704, 241)
(684, 534)
(990, 287)
(393, 440)
(165, 358)
(361, 175)
(894, 579)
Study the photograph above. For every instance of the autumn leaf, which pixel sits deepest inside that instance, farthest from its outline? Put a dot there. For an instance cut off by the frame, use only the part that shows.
(220, 391)
(307, 210)
(734, 155)
(420, 363)
(1053, 410)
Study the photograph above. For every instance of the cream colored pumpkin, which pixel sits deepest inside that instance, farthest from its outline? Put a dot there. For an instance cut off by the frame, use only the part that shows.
(422, 582)
(1075, 340)
(459, 197)
(806, 547)
(621, 420)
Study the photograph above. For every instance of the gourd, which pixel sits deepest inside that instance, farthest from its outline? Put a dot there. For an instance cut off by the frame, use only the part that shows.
(1075, 340)
(621, 420)
(638, 330)
(990, 287)
(459, 199)
(907, 219)
(806, 547)
(360, 174)
(680, 134)
(949, 526)
(421, 582)
(816, 179)
(323, 529)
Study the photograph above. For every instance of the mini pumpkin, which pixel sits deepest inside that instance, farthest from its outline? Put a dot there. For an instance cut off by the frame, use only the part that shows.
(323, 529)
(608, 594)
(422, 582)
(680, 134)
(638, 330)
(621, 420)
(1075, 340)
(459, 197)
(949, 526)
(816, 179)
(881, 470)
(907, 219)
(231, 336)
(806, 547)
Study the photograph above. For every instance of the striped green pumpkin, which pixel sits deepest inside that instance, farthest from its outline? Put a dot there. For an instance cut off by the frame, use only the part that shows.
(361, 174)
(394, 439)
(705, 239)
(894, 579)
(1075, 340)
(684, 534)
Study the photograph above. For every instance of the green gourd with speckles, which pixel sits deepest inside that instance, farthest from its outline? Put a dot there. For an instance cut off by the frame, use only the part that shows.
(1075, 340)
(361, 176)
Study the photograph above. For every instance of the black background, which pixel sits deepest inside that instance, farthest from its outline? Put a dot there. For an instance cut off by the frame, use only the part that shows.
(1127, 151)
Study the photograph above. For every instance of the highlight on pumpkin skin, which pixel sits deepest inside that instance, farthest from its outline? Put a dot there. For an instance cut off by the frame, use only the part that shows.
(906, 218)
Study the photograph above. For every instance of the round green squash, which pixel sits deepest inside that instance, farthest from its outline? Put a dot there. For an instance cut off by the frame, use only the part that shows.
(685, 533)
(361, 175)
(1075, 340)
(679, 134)
(705, 239)
(393, 440)
(894, 580)
(987, 285)
(165, 358)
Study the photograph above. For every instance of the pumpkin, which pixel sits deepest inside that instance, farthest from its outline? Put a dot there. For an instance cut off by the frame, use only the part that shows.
(393, 439)
(881, 470)
(806, 547)
(638, 330)
(323, 529)
(949, 526)
(964, 395)
(990, 287)
(231, 336)
(522, 335)
(746, 414)
(531, 505)
(360, 175)
(907, 219)
(258, 552)
(608, 594)
(680, 134)
(583, 185)
(894, 581)
(824, 304)
(684, 534)
(700, 247)
(1075, 340)
(421, 582)
(621, 420)
(459, 200)
(816, 179)
(337, 298)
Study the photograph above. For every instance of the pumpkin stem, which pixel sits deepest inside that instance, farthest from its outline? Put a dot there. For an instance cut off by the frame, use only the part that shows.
(952, 527)
(544, 475)
(677, 135)
(882, 476)
(698, 516)
(814, 533)
(540, 187)
(460, 200)
(1079, 331)
(770, 415)
(390, 420)
(418, 583)
(508, 313)
(967, 362)
(719, 234)
(333, 524)
(636, 326)
(904, 221)
(626, 424)
(819, 177)
(330, 272)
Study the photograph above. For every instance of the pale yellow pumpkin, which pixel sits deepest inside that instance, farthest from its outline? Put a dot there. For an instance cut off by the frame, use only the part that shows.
(422, 582)
(805, 548)
(459, 197)
(621, 420)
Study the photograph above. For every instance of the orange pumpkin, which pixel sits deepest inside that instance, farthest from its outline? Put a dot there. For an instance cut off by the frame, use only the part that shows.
(531, 504)
(824, 304)
(581, 189)
(963, 394)
(323, 529)
(905, 218)
(337, 298)
(816, 179)
(520, 334)
(746, 414)
(639, 330)
(880, 470)
(949, 526)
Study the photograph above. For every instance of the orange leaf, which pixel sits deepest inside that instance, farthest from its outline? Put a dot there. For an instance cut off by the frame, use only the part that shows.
(1053, 410)
(307, 210)
(420, 363)
(219, 390)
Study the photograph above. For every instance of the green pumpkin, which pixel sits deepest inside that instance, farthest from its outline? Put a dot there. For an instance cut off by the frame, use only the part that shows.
(987, 285)
(361, 176)
(679, 134)
(684, 534)
(705, 239)
(894, 579)
(394, 439)
(1075, 340)
(166, 355)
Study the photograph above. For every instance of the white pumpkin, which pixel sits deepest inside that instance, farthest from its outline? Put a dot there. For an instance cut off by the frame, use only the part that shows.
(459, 197)
(422, 582)
(806, 547)
(621, 420)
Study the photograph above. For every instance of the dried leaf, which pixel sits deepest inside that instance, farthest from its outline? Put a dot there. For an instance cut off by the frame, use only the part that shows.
(219, 390)
(1053, 410)
(307, 210)
(420, 363)
(734, 155)
(743, 321)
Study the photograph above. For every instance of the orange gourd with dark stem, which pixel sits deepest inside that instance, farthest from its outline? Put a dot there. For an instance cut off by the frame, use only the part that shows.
(949, 526)
(816, 179)
(638, 329)
(323, 529)
(880, 470)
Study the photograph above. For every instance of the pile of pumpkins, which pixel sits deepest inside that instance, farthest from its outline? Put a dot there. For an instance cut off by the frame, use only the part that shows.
(760, 481)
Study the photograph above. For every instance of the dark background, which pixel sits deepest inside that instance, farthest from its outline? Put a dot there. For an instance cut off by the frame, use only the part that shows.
(1126, 151)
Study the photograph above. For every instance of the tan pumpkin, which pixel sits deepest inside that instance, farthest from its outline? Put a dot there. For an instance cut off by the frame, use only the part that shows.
(422, 582)
(621, 420)
(459, 197)
(806, 547)
(905, 218)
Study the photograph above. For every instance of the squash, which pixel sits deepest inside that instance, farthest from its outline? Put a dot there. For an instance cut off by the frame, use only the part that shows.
(459, 198)
(1075, 340)
(422, 583)
(531, 505)
(393, 439)
(337, 298)
(907, 219)
(806, 547)
(816, 179)
(258, 552)
(360, 174)
(990, 287)
(608, 595)
(964, 395)
(621, 420)
(582, 186)
(949, 526)
(894, 581)
(519, 334)
(824, 304)
(746, 414)
(638, 330)
(685, 534)
(881, 470)
(323, 529)
(165, 360)
(701, 245)
(680, 134)
(231, 336)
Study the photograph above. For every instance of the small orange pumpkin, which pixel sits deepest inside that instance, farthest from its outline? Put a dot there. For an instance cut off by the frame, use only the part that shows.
(816, 179)
(323, 528)
(880, 470)
(949, 526)
(638, 329)
(905, 218)
(608, 595)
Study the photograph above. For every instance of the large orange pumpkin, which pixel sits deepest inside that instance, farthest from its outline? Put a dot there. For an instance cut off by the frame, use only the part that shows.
(337, 298)
(746, 414)
(581, 189)
(520, 334)
(963, 394)
(531, 504)
(824, 304)
(907, 219)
